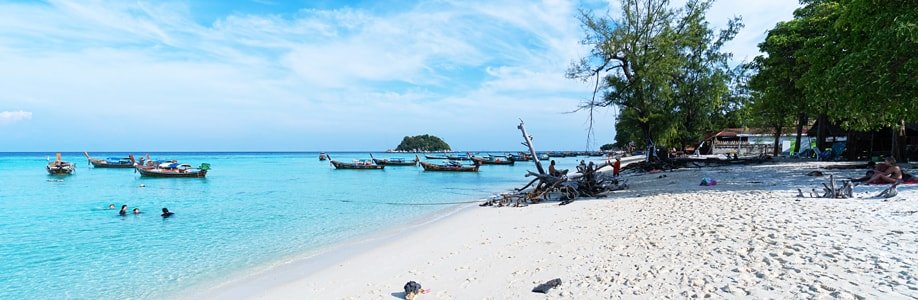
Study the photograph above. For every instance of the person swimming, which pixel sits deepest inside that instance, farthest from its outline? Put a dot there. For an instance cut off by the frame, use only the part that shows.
(167, 213)
(123, 211)
(136, 211)
(111, 206)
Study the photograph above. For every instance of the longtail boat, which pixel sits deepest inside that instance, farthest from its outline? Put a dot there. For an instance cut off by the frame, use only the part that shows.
(323, 156)
(450, 167)
(435, 157)
(520, 157)
(110, 162)
(493, 160)
(170, 169)
(363, 164)
(395, 161)
(60, 167)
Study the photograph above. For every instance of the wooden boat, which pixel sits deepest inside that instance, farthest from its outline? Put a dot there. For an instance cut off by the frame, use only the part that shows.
(450, 167)
(435, 157)
(395, 161)
(323, 156)
(520, 157)
(170, 169)
(493, 160)
(122, 163)
(363, 164)
(60, 167)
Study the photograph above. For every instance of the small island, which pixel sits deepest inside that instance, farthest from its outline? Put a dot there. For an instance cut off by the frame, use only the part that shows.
(422, 143)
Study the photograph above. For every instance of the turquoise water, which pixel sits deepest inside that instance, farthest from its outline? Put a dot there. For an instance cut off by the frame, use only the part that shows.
(59, 240)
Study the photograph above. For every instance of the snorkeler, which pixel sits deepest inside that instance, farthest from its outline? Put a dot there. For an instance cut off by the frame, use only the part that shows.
(167, 213)
(123, 211)
(136, 211)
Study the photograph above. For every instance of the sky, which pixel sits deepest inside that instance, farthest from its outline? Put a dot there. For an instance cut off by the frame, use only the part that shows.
(316, 75)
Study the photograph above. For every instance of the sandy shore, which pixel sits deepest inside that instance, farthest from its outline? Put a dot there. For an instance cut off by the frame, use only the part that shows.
(665, 237)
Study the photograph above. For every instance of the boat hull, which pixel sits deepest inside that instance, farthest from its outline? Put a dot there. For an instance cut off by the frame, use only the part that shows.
(59, 171)
(171, 174)
(104, 164)
(386, 162)
(352, 166)
(440, 168)
(506, 162)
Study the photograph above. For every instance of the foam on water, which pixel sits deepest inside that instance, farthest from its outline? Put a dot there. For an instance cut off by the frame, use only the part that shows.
(59, 240)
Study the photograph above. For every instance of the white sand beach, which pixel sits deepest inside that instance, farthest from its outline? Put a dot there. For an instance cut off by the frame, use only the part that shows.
(749, 236)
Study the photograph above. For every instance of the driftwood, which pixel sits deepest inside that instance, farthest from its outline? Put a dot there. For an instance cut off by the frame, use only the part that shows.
(832, 190)
(566, 188)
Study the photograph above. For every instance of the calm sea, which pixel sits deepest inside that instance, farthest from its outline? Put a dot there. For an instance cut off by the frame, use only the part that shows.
(59, 240)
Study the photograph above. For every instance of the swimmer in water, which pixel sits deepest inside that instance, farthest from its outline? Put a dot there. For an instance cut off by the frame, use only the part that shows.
(167, 213)
(111, 206)
(136, 211)
(123, 211)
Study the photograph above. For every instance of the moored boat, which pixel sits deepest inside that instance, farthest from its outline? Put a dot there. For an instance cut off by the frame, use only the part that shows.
(110, 162)
(493, 160)
(363, 164)
(450, 167)
(60, 167)
(323, 156)
(170, 169)
(396, 161)
(435, 157)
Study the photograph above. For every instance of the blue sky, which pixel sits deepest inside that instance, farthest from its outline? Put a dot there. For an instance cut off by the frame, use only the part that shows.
(303, 75)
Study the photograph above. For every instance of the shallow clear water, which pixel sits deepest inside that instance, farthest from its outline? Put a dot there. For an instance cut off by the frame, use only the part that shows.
(59, 240)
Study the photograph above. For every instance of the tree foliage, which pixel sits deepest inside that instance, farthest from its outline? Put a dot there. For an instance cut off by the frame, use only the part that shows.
(853, 61)
(662, 67)
(423, 143)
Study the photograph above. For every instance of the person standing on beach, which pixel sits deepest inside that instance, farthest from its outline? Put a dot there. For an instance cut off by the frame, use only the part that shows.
(617, 166)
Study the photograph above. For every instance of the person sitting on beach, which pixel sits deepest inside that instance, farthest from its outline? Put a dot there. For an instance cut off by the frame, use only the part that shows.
(123, 211)
(551, 169)
(136, 211)
(873, 169)
(167, 213)
(891, 174)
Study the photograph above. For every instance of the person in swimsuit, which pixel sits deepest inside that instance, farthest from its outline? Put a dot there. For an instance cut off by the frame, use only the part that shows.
(167, 213)
(890, 174)
(123, 211)
(136, 211)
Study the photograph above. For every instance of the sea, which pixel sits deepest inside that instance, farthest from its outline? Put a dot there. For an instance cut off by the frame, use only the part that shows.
(59, 239)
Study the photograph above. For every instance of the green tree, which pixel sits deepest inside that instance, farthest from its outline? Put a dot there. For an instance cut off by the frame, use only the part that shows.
(866, 63)
(423, 143)
(607, 147)
(639, 60)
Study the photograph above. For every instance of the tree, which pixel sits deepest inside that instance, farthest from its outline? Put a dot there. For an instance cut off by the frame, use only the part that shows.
(639, 60)
(866, 64)
(423, 143)
(607, 147)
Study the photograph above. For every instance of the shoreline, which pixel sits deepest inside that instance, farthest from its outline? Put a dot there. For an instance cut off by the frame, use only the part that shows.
(748, 236)
(247, 282)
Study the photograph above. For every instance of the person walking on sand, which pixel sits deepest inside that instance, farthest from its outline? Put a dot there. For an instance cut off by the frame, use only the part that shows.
(891, 174)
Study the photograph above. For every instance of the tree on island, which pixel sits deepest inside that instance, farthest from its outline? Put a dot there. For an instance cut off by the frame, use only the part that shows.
(422, 143)
(607, 147)
(662, 67)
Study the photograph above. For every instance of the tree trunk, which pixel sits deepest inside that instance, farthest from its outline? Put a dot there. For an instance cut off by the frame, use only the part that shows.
(821, 132)
(651, 148)
(777, 149)
(801, 121)
(896, 148)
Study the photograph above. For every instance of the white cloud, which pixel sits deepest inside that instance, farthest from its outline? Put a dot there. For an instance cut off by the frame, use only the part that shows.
(14, 116)
(458, 67)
